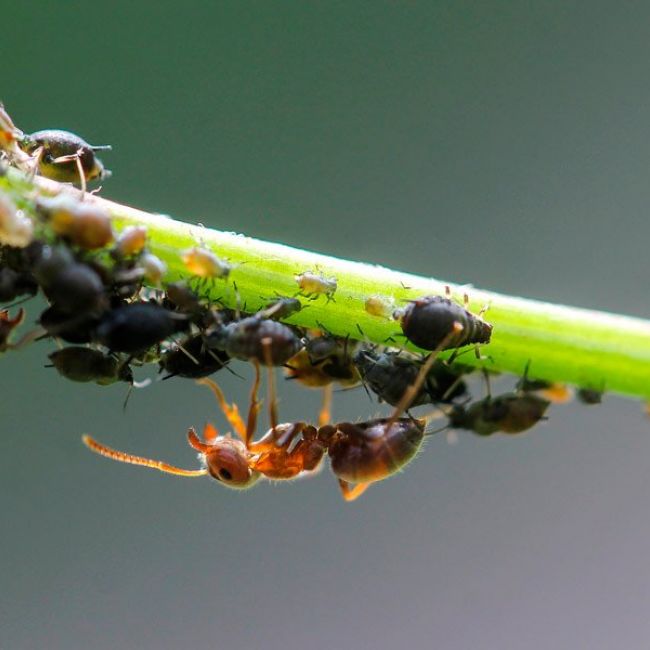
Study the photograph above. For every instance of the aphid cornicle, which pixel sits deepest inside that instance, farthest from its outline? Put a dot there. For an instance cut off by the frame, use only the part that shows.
(64, 156)
(360, 453)
(428, 320)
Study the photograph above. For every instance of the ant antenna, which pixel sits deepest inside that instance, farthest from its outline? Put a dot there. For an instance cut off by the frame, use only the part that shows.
(123, 457)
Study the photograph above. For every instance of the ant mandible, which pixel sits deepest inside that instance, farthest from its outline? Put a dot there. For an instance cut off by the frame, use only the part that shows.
(360, 453)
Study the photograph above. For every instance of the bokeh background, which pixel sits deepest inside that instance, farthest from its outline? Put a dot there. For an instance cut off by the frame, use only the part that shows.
(505, 144)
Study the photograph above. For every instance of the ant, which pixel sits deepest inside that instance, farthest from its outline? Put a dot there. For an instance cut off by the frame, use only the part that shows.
(428, 320)
(360, 453)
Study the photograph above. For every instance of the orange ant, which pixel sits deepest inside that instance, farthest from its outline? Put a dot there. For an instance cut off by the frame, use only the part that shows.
(360, 453)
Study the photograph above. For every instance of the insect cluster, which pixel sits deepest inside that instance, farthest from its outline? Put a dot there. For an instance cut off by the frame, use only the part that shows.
(111, 308)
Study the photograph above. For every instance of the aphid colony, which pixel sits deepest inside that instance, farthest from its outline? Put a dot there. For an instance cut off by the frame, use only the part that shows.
(94, 283)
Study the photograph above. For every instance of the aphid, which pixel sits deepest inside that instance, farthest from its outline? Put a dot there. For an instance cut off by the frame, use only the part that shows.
(428, 320)
(73, 287)
(14, 284)
(130, 242)
(8, 325)
(379, 306)
(204, 263)
(554, 392)
(281, 308)
(84, 224)
(190, 358)
(15, 228)
(360, 453)
(64, 156)
(135, 327)
(389, 374)
(154, 268)
(182, 297)
(324, 359)
(244, 339)
(85, 365)
(72, 329)
(313, 285)
(590, 396)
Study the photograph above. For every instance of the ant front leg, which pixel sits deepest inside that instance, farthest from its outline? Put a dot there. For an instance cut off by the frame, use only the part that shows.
(352, 492)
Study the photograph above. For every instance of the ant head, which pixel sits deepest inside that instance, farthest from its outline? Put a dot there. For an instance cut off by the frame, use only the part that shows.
(227, 461)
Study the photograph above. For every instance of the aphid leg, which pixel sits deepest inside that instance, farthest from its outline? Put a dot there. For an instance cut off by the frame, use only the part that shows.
(123, 457)
(325, 414)
(231, 411)
(352, 492)
(272, 397)
(35, 161)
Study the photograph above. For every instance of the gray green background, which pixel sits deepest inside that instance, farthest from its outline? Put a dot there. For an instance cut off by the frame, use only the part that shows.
(506, 144)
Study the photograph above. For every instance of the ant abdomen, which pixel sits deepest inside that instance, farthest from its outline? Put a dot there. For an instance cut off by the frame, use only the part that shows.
(369, 451)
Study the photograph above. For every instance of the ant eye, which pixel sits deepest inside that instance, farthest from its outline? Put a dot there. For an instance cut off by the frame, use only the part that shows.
(225, 474)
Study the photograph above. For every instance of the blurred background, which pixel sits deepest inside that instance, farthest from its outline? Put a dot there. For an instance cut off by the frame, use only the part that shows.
(498, 143)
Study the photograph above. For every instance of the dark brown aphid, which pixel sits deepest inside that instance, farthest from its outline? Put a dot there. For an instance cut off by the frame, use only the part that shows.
(244, 339)
(64, 156)
(85, 365)
(324, 359)
(83, 224)
(190, 358)
(509, 413)
(137, 326)
(14, 284)
(428, 320)
(70, 328)
(389, 374)
(360, 454)
(590, 396)
(73, 287)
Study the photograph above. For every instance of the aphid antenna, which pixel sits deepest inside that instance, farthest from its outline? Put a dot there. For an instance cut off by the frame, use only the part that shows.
(101, 147)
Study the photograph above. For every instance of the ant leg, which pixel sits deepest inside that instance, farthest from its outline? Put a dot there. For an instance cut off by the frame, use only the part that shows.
(254, 408)
(122, 457)
(325, 414)
(80, 170)
(352, 492)
(272, 398)
(412, 391)
(231, 411)
(35, 161)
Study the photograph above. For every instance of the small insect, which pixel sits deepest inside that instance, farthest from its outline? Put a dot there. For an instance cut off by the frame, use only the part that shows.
(205, 264)
(280, 308)
(74, 288)
(590, 396)
(379, 306)
(360, 453)
(14, 284)
(85, 365)
(84, 224)
(244, 339)
(72, 329)
(130, 242)
(324, 359)
(190, 358)
(313, 285)
(15, 228)
(65, 157)
(154, 268)
(428, 320)
(389, 374)
(7, 326)
(135, 327)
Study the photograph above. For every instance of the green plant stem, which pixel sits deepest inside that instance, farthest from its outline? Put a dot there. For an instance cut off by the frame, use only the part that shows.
(584, 348)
